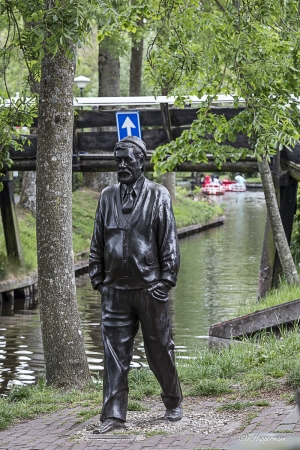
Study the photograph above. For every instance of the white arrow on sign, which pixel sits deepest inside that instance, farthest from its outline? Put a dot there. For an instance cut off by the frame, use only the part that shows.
(128, 124)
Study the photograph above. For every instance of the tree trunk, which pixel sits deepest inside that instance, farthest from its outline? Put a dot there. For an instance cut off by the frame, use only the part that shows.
(109, 86)
(168, 181)
(28, 192)
(108, 69)
(136, 66)
(65, 359)
(282, 246)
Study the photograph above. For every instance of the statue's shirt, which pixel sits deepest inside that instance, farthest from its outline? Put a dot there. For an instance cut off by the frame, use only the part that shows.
(136, 190)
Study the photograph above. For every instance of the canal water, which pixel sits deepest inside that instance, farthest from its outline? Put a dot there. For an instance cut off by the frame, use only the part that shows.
(219, 272)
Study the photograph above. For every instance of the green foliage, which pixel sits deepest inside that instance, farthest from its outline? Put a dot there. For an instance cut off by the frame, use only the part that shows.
(29, 30)
(249, 49)
(21, 113)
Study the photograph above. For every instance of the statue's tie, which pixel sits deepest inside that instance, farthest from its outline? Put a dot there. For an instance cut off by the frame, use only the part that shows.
(128, 200)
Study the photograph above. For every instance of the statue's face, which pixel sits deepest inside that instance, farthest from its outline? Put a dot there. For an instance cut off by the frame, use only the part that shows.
(129, 168)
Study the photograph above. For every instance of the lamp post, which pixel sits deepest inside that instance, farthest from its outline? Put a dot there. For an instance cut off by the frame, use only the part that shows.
(81, 82)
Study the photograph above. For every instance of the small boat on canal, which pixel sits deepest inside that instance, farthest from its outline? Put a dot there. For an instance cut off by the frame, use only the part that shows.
(232, 186)
(236, 187)
(213, 189)
(217, 188)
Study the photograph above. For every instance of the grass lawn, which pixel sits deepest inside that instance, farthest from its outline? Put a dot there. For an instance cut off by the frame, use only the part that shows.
(282, 294)
(253, 180)
(251, 373)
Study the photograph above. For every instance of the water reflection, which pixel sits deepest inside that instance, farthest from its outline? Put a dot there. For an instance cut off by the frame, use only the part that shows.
(219, 270)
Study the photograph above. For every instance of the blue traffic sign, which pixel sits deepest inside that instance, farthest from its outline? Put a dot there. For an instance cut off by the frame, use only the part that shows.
(128, 124)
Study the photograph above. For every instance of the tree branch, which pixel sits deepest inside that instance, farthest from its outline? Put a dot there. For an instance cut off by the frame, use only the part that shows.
(220, 6)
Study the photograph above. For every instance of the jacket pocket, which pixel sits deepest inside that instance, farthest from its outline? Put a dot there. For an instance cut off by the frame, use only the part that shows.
(149, 258)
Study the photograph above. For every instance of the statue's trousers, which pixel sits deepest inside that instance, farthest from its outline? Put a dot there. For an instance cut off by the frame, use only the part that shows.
(122, 311)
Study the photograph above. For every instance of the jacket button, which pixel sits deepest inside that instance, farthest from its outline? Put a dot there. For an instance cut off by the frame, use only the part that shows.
(124, 260)
(126, 286)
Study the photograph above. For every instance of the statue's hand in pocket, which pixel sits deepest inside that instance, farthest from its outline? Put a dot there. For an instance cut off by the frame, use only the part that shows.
(160, 291)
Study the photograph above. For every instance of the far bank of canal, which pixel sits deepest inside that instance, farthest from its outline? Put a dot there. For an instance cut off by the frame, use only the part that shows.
(219, 270)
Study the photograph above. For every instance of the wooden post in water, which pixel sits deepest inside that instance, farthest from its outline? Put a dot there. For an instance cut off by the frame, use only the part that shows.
(10, 221)
(288, 201)
(265, 279)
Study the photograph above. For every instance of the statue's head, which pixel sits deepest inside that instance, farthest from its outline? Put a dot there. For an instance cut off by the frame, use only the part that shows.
(130, 155)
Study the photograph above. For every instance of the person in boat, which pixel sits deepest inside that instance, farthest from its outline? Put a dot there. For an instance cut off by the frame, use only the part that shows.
(240, 179)
(217, 180)
(134, 261)
(206, 181)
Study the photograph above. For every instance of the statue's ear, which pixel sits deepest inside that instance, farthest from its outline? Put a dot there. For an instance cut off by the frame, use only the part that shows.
(141, 162)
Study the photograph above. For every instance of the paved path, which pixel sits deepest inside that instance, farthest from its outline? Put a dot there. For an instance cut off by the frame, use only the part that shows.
(203, 427)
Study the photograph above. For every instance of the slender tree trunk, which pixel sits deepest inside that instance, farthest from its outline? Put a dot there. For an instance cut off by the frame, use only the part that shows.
(282, 246)
(109, 86)
(28, 192)
(65, 359)
(169, 179)
(136, 66)
(109, 70)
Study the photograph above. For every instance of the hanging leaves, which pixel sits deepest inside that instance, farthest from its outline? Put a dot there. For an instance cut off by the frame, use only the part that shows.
(249, 49)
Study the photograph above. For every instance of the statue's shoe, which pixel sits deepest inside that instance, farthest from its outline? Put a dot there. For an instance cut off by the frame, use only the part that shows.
(174, 414)
(111, 424)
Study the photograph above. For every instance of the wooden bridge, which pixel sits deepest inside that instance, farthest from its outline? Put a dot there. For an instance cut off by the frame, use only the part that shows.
(95, 135)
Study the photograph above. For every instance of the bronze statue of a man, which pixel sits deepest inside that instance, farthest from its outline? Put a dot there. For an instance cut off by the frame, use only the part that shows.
(134, 261)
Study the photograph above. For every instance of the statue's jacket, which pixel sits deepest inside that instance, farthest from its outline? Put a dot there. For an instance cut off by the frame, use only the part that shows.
(142, 249)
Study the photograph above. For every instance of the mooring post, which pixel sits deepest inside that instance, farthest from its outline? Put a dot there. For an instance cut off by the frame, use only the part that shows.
(10, 221)
(10, 300)
(266, 272)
